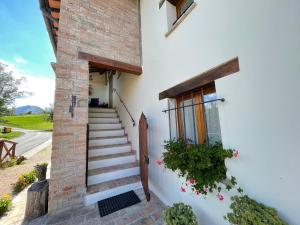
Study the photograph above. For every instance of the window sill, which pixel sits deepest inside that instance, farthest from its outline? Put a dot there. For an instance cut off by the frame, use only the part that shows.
(179, 20)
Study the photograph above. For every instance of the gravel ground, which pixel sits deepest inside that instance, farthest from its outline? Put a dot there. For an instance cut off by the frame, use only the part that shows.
(10, 175)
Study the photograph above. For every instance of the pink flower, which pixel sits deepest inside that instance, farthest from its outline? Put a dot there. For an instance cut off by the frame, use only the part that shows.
(235, 153)
(206, 189)
(188, 140)
(192, 181)
(197, 192)
(158, 162)
(182, 189)
(220, 197)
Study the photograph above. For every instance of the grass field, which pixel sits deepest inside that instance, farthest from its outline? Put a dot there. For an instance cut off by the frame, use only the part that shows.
(30, 122)
(13, 134)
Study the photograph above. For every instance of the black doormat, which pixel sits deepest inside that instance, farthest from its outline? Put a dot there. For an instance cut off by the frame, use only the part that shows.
(118, 202)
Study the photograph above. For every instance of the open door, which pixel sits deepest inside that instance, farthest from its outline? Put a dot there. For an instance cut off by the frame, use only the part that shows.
(144, 159)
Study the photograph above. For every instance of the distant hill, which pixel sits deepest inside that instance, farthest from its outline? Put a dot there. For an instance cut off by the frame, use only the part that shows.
(28, 108)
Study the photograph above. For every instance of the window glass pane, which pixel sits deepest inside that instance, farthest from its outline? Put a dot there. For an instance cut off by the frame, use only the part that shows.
(188, 120)
(173, 119)
(212, 119)
(185, 5)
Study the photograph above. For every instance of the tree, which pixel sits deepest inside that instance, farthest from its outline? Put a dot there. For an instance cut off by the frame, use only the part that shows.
(9, 89)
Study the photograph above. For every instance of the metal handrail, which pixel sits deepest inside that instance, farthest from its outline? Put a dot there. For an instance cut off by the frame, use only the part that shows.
(115, 91)
(200, 103)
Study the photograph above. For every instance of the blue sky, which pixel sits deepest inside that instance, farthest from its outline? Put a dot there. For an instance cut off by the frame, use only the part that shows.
(24, 41)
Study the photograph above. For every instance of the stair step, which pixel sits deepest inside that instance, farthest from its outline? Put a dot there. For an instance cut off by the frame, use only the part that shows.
(106, 133)
(111, 160)
(101, 175)
(106, 126)
(107, 141)
(103, 115)
(112, 188)
(109, 149)
(104, 120)
(104, 110)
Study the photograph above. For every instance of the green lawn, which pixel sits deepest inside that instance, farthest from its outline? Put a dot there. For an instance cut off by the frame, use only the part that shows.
(30, 122)
(11, 135)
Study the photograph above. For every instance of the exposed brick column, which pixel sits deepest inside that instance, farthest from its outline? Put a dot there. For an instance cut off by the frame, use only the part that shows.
(108, 28)
(68, 161)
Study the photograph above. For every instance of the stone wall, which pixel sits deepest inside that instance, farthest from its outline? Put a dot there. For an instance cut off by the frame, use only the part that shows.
(107, 28)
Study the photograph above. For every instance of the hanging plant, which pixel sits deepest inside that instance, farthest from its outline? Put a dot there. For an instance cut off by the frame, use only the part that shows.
(203, 167)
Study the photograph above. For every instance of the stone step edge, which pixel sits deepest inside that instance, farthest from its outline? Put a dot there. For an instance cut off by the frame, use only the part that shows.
(95, 148)
(98, 196)
(111, 156)
(104, 138)
(115, 169)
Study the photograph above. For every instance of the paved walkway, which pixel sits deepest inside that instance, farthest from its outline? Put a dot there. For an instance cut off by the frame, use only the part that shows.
(144, 213)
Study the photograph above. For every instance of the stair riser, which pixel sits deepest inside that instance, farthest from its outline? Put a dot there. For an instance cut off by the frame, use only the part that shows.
(111, 162)
(103, 115)
(112, 133)
(101, 110)
(109, 151)
(105, 126)
(104, 120)
(97, 179)
(93, 198)
(109, 141)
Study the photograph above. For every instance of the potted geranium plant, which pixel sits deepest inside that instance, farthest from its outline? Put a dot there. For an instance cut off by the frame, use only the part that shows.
(41, 171)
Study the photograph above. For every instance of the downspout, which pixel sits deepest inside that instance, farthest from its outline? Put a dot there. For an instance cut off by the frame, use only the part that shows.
(48, 17)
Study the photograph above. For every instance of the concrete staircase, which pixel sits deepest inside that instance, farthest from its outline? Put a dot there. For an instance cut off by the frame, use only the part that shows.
(112, 165)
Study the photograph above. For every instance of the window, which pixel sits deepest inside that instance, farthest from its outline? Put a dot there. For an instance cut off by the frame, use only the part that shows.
(182, 6)
(196, 116)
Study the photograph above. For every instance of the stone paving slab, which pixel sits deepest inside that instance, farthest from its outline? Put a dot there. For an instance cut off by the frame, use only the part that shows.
(143, 213)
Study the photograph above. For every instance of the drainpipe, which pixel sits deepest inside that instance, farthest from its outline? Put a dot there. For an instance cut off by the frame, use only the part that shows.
(47, 16)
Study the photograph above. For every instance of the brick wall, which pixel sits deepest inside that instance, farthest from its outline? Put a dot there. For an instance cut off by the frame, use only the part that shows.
(108, 28)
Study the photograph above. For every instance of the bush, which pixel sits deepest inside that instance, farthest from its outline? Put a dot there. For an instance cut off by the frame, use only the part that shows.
(5, 204)
(12, 162)
(248, 211)
(180, 214)
(9, 163)
(23, 181)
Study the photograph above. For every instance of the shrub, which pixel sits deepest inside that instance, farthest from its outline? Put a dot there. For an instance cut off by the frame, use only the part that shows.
(248, 211)
(23, 181)
(12, 162)
(40, 171)
(8, 163)
(203, 165)
(5, 204)
(180, 214)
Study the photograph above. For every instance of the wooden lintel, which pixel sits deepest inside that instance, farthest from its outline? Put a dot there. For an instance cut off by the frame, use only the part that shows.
(225, 69)
(106, 63)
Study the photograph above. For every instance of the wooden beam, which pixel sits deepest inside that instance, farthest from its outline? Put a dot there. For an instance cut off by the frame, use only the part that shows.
(225, 69)
(54, 4)
(55, 15)
(106, 63)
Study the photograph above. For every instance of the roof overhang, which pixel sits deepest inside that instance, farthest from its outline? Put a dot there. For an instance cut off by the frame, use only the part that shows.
(51, 13)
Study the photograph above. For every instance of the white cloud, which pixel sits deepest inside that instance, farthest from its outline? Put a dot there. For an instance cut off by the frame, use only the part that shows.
(19, 59)
(42, 88)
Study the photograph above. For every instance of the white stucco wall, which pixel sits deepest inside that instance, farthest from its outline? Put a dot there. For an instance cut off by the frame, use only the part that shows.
(260, 115)
(99, 88)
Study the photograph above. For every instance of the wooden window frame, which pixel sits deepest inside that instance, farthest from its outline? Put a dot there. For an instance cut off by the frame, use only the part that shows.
(178, 7)
(199, 111)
